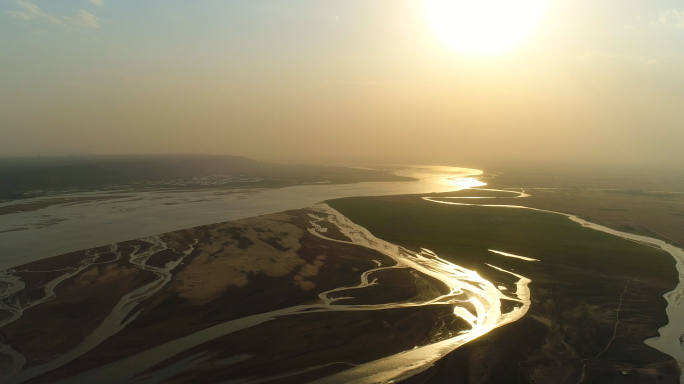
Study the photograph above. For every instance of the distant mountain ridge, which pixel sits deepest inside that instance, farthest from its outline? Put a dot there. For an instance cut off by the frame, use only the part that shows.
(18, 176)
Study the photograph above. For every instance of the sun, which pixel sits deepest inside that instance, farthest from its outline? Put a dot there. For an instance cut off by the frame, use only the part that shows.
(484, 27)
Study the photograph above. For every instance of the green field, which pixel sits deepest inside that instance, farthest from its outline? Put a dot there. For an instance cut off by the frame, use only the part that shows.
(595, 297)
(467, 232)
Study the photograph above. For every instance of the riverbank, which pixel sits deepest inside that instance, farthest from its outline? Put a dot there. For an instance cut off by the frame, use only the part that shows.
(378, 288)
(89, 220)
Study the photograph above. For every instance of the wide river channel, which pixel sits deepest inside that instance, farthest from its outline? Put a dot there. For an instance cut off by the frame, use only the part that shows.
(128, 214)
(107, 217)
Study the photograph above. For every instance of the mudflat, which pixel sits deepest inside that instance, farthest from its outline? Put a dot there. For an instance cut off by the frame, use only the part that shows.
(88, 310)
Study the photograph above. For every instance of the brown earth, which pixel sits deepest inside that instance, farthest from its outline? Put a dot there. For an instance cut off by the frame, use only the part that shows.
(235, 269)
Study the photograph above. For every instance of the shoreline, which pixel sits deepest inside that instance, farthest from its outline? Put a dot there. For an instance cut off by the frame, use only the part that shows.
(325, 229)
(57, 230)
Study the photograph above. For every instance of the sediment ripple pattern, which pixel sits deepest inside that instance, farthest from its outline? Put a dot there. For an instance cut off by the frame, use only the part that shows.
(119, 317)
(472, 298)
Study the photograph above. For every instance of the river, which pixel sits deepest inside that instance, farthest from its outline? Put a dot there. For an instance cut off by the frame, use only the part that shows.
(128, 215)
(62, 228)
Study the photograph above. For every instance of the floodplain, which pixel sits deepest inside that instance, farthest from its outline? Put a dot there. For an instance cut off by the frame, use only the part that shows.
(461, 286)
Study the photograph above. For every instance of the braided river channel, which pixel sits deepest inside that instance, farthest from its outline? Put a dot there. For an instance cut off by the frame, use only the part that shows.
(479, 304)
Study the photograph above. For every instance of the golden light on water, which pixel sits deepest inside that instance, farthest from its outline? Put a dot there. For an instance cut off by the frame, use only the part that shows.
(465, 182)
(484, 27)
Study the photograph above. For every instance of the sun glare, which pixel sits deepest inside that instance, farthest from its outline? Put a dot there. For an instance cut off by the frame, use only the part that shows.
(484, 27)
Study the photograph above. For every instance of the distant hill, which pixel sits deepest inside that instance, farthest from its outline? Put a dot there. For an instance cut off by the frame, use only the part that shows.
(22, 177)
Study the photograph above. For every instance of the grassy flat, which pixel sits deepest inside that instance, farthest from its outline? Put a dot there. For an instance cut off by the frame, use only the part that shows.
(470, 230)
(583, 284)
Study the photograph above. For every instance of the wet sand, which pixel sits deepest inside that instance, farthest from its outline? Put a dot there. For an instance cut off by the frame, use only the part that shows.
(289, 290)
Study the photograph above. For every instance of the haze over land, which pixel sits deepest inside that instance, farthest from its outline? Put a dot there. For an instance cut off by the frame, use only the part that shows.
(366, 191)
(338, 81)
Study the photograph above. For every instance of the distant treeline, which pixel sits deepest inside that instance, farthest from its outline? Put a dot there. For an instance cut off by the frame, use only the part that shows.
(20, 176)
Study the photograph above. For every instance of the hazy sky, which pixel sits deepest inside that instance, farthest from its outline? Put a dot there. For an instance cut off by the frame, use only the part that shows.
(338, 80)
